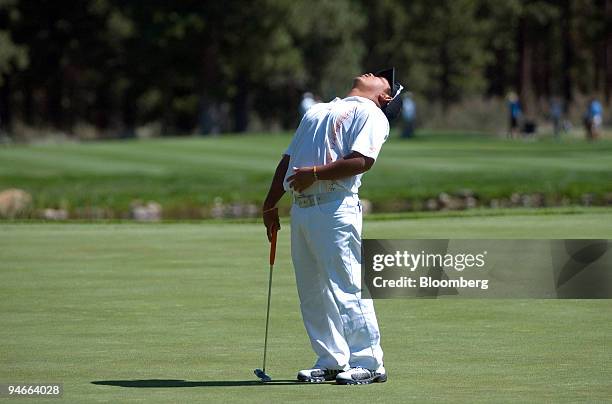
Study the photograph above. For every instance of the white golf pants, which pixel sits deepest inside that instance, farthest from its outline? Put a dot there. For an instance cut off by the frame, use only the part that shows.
(326, 253)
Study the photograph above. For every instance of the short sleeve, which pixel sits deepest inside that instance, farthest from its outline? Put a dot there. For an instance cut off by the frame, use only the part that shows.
(291, 148)
(371, 131)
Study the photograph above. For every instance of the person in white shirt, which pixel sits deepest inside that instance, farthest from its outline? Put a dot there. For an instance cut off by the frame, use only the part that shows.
(335, 143)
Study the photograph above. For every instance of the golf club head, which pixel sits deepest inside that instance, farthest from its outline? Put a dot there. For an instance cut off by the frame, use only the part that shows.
(264, 377)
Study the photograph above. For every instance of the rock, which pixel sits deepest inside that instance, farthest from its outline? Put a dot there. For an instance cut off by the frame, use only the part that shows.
(235, 210)
(218, 210)
(394, 205)
(14, 202)
(151, 212)
(538, 200)
(526, 201)
(252, 210)
(241, 210)
(470, 202)
(55, 214)
(431, 204)
(587, 199)
(447, 202)
(444, 199)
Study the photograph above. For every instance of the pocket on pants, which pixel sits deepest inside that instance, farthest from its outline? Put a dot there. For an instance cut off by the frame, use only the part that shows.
(344, 205)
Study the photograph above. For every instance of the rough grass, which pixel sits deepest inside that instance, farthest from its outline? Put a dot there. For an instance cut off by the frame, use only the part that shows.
(175, 313)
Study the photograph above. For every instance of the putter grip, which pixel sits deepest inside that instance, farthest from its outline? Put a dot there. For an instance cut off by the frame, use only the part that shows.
(273, 248)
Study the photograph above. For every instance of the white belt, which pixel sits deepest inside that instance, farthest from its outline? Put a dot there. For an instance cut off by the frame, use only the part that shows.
(306, 201)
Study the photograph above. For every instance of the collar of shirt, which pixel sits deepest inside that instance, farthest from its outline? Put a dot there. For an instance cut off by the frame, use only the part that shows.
(359, 99)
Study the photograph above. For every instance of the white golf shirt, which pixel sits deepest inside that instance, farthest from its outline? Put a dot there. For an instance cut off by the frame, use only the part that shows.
(330, 131)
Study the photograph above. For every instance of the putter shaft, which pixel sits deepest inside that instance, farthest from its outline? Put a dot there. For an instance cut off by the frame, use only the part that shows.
(267, 318)
(272, 258)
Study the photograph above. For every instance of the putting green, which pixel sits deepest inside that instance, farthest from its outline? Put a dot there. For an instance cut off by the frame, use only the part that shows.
(175, 313)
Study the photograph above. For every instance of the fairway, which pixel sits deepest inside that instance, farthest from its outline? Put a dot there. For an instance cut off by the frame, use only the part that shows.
(185, 175)
(123, 312)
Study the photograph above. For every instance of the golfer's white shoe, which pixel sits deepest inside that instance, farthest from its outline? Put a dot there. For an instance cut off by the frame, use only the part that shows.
(317, 375)
(362, 376)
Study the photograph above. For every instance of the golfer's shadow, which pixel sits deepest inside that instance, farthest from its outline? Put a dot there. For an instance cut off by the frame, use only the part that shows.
(163, 383)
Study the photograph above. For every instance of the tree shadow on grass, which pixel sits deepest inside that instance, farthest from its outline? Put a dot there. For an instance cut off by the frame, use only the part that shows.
(163, 383)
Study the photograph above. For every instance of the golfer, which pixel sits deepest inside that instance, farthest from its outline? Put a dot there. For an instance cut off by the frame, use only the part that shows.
(333, 146)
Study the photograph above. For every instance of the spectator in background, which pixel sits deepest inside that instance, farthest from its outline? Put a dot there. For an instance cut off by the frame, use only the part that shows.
(408, 116)
(593, 118)
(308, 101)
(515, 113)
(556, 115)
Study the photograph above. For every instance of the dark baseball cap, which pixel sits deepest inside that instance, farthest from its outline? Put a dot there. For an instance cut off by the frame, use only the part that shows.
(393, 107)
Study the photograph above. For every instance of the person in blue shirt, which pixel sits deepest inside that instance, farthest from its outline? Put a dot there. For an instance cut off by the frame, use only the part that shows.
(596, 112)
(515, 112)
(593, 119)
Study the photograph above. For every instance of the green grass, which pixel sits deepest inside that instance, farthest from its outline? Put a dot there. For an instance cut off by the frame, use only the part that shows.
(117, 303)
(185, 174)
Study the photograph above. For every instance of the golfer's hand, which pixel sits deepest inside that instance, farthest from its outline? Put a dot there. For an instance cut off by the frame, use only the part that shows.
(301, 179)
(270, 219)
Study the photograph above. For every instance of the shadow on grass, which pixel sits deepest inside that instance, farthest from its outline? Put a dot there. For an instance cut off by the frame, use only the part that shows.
(162, 383)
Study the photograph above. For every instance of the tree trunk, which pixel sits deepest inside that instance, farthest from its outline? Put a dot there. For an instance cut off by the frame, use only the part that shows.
(28, 101)
(525, 67)
(445, 77)
(128, 112)
(542, 71)
(208, 120)
(5, 106)
(608, 52)
(568, 56)
(241, 105)
(101, 108)
(54, 107)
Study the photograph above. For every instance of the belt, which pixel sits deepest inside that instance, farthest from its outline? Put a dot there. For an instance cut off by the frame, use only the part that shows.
(306, 201)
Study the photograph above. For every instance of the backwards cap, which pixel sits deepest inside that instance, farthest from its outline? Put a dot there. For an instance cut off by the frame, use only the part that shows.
(393, 107)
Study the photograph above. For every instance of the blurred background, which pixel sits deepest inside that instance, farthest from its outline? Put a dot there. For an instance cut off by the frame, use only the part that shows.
(117, 69)
(507, 103)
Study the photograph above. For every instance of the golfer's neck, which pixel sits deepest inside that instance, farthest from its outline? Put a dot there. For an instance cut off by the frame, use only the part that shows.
(355, 92)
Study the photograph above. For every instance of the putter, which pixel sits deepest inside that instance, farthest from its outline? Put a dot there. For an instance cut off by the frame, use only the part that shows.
(261, 373)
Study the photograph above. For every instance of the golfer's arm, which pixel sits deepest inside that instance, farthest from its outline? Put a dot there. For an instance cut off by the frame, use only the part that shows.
(352, 164)
(276, 191)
